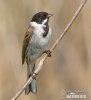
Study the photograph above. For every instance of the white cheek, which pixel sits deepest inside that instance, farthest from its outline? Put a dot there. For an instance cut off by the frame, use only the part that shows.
(44, 21)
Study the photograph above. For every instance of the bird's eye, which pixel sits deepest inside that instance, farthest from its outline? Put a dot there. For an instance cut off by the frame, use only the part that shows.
(44, 15)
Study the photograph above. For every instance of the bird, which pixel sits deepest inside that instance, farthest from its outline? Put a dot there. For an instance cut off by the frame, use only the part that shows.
(36, 40)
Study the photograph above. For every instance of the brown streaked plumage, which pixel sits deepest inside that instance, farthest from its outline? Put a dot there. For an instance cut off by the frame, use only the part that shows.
(28, 36)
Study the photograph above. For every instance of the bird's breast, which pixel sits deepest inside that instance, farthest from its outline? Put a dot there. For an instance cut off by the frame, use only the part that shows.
(38, 44)
(38, 39)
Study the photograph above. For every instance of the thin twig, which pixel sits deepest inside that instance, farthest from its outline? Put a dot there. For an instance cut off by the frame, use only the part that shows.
(39, 66)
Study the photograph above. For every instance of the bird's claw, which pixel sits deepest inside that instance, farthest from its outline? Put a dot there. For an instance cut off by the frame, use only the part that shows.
(48, 52)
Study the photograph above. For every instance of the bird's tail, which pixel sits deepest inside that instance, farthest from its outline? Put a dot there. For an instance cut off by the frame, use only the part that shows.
(32, 86)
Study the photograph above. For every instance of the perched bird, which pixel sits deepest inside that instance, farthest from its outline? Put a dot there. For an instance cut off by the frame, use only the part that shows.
(36, 40)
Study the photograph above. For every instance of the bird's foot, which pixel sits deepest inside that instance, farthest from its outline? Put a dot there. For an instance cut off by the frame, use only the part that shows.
(34, 75)
(48, 52)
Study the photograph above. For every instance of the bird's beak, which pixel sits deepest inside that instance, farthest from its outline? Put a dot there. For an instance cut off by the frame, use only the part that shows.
(49, 15)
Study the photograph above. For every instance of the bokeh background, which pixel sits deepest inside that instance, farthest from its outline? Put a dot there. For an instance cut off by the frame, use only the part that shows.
(68, 69)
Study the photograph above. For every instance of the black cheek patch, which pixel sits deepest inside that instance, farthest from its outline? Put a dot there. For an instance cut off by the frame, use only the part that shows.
(46, 29)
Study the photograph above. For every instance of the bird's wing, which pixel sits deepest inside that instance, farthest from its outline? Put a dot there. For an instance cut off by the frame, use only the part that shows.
(27, 38)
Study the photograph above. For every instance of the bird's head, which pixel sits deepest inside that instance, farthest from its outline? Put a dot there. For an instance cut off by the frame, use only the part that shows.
(41, 18)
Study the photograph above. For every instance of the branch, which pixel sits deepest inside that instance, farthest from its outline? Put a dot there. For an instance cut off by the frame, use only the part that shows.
(39, 66)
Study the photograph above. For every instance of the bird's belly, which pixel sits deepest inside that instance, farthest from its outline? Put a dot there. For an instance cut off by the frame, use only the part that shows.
(35, 52)
(36, 49)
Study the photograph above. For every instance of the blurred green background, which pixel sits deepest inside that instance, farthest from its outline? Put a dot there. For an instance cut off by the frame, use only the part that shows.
(69, 68)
